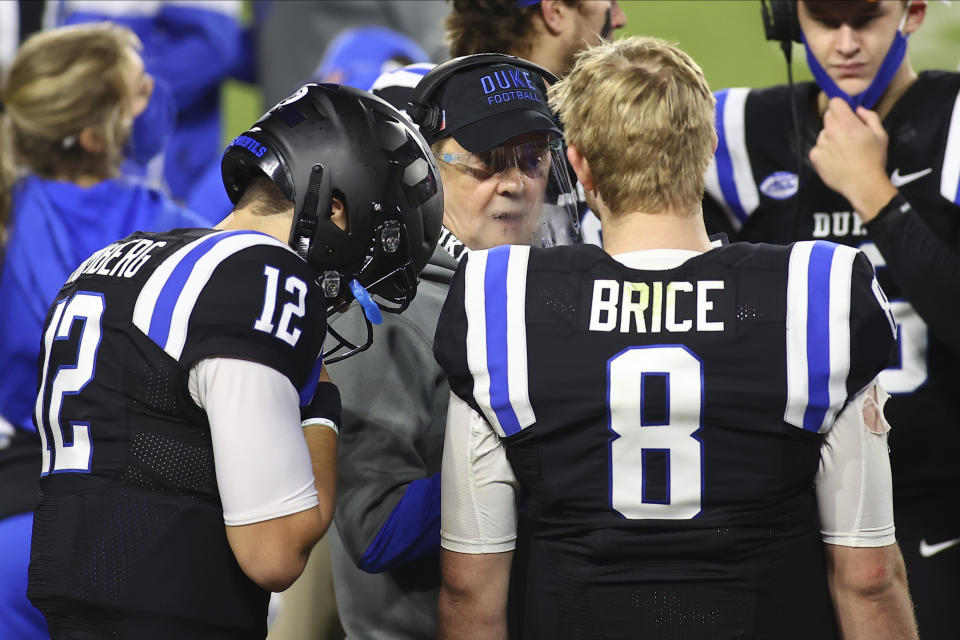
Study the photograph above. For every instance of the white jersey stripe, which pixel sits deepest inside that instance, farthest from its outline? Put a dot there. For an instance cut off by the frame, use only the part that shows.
(220, 246)
(841, 273)
(797, 374)
(734, 124)
(147, 300)
(519, 380)
(198, 279)
(950, 175)
(477, 334)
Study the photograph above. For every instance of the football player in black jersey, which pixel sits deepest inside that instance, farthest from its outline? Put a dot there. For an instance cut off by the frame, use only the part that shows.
(696, 431)
(188, 425)
(874, 163)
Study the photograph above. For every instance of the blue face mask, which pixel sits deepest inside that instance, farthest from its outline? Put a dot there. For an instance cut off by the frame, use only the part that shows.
(153, 127)
(880, 82)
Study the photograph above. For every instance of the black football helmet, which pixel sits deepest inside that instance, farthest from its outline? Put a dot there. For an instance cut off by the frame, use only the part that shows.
(329, 140)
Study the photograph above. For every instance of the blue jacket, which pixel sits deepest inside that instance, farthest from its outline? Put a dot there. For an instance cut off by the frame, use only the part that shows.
(54, 227)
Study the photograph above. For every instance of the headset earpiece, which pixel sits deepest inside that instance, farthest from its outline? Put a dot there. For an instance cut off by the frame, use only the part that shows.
(780, 22)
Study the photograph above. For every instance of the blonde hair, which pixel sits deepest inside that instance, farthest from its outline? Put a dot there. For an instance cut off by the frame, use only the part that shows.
(641, 113)
(61, 82)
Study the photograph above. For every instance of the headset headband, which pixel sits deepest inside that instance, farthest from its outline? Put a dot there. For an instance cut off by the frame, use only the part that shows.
(428, 116)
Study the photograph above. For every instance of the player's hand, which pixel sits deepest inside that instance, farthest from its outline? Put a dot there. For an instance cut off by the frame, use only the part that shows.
(851, 157)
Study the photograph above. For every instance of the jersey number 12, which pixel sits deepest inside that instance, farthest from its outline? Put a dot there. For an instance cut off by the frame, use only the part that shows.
(68, 379)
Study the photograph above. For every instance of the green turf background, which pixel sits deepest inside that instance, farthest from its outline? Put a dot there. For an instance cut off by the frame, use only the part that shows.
(724, 36)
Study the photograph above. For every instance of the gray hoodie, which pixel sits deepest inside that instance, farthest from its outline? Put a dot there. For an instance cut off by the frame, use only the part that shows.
(394, 412)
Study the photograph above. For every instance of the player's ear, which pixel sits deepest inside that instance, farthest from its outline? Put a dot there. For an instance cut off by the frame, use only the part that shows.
(555, 14)
(916, 12)
(581, 167)
(338, 213)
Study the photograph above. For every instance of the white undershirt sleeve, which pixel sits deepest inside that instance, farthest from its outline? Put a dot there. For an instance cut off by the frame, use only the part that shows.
(478, 512)
(263, 464)
(854, 487)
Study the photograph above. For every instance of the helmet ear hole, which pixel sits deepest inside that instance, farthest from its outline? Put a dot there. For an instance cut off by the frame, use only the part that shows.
(339, 212)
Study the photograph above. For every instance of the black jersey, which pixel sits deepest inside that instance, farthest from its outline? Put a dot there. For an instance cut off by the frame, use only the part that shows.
(665, 427)
(755, 194)
(129, 538)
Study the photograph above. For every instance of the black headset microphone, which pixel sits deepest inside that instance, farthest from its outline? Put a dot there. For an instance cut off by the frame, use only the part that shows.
(607, 30)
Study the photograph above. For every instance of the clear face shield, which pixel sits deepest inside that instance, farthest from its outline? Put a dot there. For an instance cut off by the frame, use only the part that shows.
(542, 208)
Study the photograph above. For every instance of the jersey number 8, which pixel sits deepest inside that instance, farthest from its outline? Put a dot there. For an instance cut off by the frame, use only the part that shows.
(655, 398)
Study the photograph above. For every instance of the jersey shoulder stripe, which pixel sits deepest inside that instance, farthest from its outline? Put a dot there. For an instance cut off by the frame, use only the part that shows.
(950, 174)
(818, 333)
(729, 177)
(165, 303)
(495, 283)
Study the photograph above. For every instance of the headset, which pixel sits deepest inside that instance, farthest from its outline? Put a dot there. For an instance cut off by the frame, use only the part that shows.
(780, 22)
(429, 117)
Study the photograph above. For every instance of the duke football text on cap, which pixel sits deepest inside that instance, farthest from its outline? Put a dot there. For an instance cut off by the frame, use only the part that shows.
(485, 107)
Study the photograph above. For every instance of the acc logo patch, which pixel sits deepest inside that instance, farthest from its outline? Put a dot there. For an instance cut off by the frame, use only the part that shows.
(780, 185)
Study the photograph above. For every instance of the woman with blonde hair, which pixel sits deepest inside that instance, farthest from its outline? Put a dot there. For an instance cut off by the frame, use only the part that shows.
(70, 101)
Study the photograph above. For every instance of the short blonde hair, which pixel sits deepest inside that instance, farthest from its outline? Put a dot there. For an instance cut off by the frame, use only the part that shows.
(62, 81)
(641, 113)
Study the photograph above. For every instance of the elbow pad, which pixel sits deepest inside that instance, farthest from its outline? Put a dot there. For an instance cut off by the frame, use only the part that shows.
(324, 409)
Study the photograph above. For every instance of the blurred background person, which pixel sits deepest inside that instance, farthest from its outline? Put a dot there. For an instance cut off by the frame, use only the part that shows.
(190, 46)
(870, 157)
(71, 99)
(292, 36)
(547, 32)
(356, 57)
(18, 19)
(501, 166)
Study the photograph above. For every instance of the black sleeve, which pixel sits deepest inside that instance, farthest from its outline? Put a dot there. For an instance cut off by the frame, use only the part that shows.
(450, 341)
(926, 269)
(716, 220)
(261, 304)
(872, 327)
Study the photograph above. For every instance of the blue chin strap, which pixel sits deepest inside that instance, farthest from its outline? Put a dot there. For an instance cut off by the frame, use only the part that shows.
(888, 68)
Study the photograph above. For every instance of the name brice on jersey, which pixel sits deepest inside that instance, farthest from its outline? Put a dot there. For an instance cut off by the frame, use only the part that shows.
(652, 307)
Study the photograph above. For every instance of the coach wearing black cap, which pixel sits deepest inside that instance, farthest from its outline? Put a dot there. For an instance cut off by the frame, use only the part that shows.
(499, 150)
(501, 163)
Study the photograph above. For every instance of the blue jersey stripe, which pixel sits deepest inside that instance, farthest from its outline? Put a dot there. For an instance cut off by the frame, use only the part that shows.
(818, 335)
(728, 184)
(313, 380)
(495, 297)
(167, 300)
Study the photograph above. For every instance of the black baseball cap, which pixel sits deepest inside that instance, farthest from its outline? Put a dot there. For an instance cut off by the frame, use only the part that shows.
(483, 107)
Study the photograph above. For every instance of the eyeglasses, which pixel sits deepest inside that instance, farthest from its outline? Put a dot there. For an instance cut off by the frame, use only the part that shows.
(531, 158)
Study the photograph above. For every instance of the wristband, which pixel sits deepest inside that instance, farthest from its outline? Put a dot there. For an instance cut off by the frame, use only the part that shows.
(897, 207)
(324, 409)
